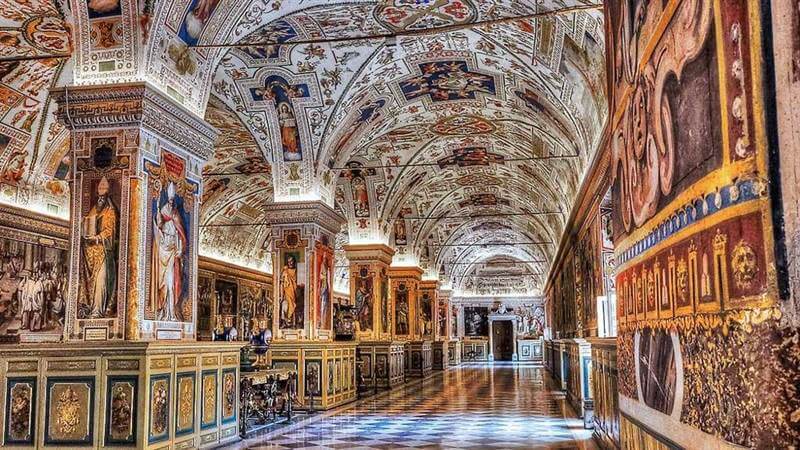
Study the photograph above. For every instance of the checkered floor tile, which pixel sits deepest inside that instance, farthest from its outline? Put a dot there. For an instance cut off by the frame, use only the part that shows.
(475, 406)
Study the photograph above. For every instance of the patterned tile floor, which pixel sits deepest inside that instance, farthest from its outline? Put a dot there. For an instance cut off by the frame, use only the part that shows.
(474, 406)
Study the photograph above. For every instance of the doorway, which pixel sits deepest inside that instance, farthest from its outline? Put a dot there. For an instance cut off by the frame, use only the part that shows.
(502, 340)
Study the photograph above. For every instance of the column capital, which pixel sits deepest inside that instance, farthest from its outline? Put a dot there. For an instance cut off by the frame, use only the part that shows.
(429, 284)
(369, 253)
(312, 212)
(83, 108)
(412, 272)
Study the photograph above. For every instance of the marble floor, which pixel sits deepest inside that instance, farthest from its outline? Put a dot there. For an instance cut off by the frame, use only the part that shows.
(474, 406)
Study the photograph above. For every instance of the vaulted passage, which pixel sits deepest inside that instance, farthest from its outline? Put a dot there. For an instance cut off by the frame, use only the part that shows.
(397, 223)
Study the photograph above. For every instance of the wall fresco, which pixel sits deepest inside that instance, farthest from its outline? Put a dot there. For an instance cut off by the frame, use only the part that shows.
(696, 280)
(33, 285)
(402, 311)
(172, 200)
(476, 321)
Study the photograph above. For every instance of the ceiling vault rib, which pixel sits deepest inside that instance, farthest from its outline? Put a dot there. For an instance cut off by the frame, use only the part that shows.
(22, 58)
(395, 166)
(413, 33)
(433, 164)
(493, 244)
(478, 216)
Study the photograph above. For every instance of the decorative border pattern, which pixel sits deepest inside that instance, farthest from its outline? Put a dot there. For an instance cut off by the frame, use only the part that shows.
(694, 212)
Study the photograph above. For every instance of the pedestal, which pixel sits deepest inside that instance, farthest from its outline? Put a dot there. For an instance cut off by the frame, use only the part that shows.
(530, 350)
(382, 364)
(143, 395)
(420, 359)
(475, 350)
(441, 359)
(326, 371)
(454, 352)
(579, 388)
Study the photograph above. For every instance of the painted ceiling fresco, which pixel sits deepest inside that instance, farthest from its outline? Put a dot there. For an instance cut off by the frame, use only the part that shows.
(455, 147)
(32, 143)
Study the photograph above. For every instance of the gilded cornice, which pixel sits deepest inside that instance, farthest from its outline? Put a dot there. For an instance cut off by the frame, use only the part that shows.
(307, 212)
(429, 284)
(406, 272)
(135, 105)
(369, 253)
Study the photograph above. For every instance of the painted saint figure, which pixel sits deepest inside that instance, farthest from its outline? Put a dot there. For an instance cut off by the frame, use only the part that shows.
(360, 195)
(364, 306)
(290, 137)
(196, 20)
(401, 311)
(324, 293)
(99, 248)
(289, 292)
(169, 244)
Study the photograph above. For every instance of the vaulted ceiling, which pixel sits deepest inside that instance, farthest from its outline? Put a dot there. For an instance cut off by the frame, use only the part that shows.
(457, 131)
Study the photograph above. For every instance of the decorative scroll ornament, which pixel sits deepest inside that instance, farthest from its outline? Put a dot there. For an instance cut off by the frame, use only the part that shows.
(643, 146)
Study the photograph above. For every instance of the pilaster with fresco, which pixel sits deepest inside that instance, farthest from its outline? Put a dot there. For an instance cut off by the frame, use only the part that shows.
(380, 358)
(302, 239)
(137, 191)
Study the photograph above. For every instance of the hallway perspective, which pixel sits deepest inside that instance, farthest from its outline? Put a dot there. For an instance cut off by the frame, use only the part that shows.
(472, 406)
(296, 224)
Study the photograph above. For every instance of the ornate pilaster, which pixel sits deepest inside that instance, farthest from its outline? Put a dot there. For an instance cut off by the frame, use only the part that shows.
(138, 158)
(369, 290)
(404, 289)
(302, 250)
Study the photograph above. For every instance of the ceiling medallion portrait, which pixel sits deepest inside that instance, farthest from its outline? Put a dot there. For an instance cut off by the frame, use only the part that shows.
(465, 125)
(411, 15)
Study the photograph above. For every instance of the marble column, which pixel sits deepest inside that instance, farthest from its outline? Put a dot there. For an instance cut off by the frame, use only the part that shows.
(137, 160)
(369, 290)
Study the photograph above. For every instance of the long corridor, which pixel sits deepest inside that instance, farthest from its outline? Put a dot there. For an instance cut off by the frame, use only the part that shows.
(473, 406)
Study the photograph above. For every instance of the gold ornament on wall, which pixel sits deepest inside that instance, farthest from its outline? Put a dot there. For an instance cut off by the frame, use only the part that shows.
(745, 265)
(68, 411)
